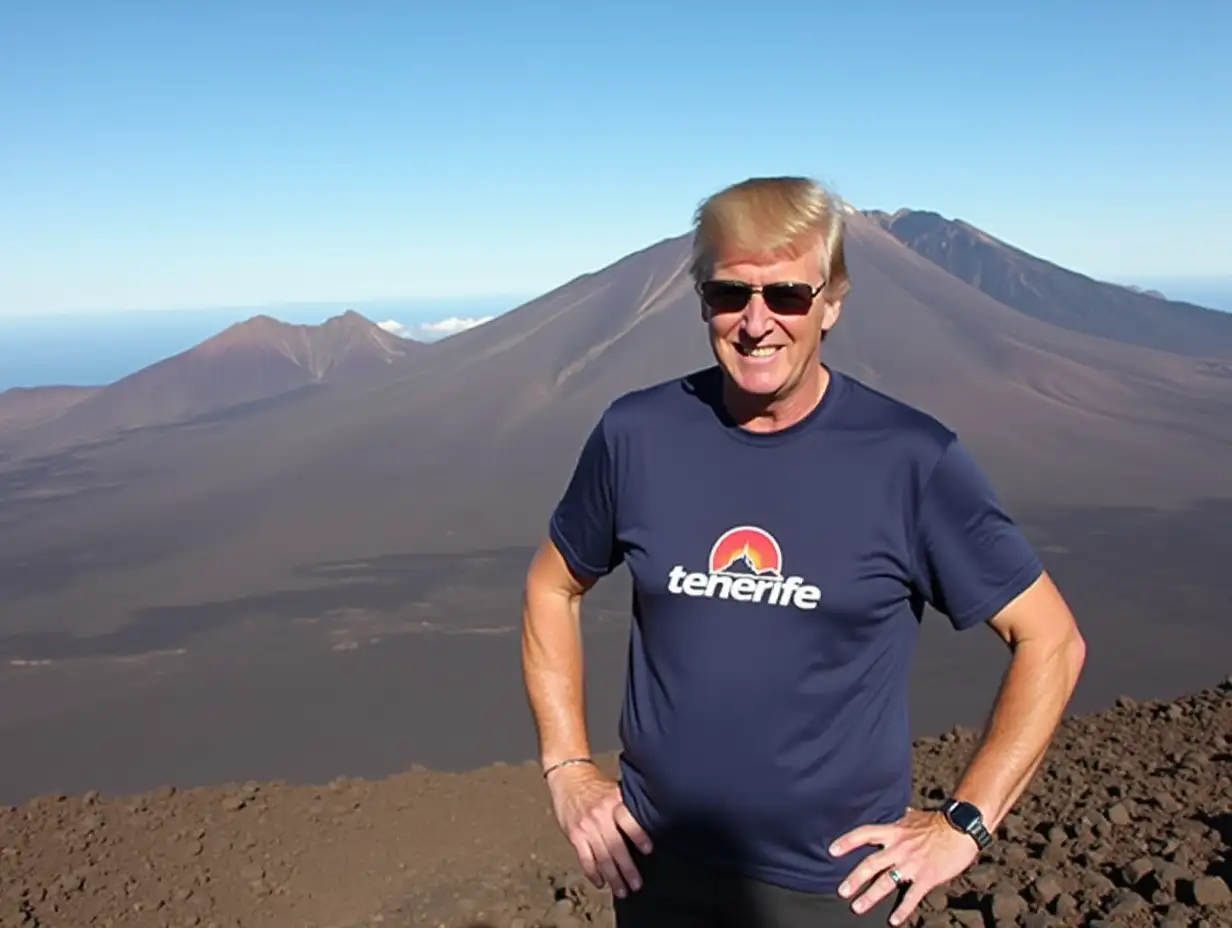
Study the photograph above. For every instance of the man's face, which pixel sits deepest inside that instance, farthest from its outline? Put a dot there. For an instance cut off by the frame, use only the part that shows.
(768, 353)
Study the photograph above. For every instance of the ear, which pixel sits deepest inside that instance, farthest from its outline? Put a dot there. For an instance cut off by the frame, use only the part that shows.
(830, 313)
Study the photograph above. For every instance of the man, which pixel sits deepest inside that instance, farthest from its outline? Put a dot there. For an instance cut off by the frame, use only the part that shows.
(784, 526)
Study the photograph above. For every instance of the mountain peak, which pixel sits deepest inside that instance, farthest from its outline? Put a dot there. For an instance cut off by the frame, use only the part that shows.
(907, 224)
(349, 319)
(1057, 295)
(249, 362)
(263, 327)
(341, 345)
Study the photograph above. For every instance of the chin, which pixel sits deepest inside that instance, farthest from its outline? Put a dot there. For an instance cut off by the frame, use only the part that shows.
(761, 385)
(756, 378)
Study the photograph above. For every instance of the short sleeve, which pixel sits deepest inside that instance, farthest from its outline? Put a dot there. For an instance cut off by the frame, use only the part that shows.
(583, 525)
(971, 559)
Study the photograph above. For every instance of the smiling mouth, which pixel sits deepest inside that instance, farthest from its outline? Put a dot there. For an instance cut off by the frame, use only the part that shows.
(757, 351)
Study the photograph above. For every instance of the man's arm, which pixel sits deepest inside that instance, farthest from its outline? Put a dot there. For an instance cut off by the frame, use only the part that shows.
(1048, 656)
(580, 548)
(972, 563)
(552, 660)
(588, 804)
(582, 545)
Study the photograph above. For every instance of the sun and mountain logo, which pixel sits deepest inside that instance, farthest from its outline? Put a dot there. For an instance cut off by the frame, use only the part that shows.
(746, 565)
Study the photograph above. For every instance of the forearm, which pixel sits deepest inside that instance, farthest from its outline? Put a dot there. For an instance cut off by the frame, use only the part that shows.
(552, 668)
(1029, 706)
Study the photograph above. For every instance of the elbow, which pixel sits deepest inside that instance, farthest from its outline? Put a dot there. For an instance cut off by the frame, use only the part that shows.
(1074, 654)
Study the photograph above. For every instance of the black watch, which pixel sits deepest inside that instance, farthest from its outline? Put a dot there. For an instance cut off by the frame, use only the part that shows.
(967, 818)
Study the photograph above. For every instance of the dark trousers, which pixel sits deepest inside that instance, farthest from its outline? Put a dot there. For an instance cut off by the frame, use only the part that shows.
(678, 893)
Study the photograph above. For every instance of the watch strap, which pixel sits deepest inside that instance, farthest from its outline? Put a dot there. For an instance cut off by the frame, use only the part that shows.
(976, 828)
(981, 834)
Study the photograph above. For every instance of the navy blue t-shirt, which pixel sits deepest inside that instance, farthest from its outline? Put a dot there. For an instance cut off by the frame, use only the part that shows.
(779, 581)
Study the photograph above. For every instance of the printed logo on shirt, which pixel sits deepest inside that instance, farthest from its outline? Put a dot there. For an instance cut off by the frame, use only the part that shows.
(745, 565)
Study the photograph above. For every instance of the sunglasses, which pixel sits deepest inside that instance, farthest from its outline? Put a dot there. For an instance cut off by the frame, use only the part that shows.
(731, 296)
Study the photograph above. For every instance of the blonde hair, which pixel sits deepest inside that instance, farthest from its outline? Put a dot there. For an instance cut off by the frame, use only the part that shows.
(772, 215)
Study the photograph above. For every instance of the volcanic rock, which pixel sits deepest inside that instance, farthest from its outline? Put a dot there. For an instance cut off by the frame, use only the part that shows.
(1128, 822)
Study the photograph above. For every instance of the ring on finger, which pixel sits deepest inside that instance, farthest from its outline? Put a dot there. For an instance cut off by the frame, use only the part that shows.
(896, 877)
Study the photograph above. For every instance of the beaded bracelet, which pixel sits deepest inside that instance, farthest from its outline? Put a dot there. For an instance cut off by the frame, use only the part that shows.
(566, 763)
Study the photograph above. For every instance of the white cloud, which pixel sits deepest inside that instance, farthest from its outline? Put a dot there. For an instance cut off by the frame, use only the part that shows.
(431, 331)
(454, 324)
(394, 327)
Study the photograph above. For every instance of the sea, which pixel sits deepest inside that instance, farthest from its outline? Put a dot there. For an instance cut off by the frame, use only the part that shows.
(95, 348)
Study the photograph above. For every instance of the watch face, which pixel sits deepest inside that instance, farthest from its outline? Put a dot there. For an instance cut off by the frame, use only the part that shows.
(964, 815)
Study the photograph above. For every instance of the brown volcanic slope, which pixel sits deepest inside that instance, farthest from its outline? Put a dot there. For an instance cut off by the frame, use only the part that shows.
(1127, 823)
(22, 407)
(1055, 294)
(467, 448)
(246, 363)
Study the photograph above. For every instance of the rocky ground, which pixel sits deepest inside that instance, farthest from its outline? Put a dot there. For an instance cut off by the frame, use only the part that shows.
(1128, 823)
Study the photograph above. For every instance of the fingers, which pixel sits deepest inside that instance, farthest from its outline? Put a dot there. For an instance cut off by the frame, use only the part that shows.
(870, 881)
(597, 859)
(868, 869)
(857, 837)
(586, 860)
(918, 849)
(616, 864)
(633, 828)
(596, 821)
(881, 887)
(602, 852)
(915, 893)
(884, 885)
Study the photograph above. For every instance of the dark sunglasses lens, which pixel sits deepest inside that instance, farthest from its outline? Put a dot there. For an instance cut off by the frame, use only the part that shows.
(726, 296)
(788, 298)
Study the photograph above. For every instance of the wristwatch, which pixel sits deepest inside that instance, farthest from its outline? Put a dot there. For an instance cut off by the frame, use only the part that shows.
(967, 818)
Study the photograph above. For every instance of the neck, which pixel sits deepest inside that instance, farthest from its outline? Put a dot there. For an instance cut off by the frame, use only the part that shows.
(780, 411)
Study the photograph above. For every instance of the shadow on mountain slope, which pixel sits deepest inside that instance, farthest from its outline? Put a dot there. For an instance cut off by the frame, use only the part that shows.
(1092, 552)
(441, 592)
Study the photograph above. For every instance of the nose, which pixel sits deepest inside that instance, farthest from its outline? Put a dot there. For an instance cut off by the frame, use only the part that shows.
(757, 317)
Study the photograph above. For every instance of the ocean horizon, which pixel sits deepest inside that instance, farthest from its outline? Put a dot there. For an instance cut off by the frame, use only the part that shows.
(91, 348)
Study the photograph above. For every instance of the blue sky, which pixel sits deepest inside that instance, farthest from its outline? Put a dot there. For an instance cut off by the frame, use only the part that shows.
(160, 155)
